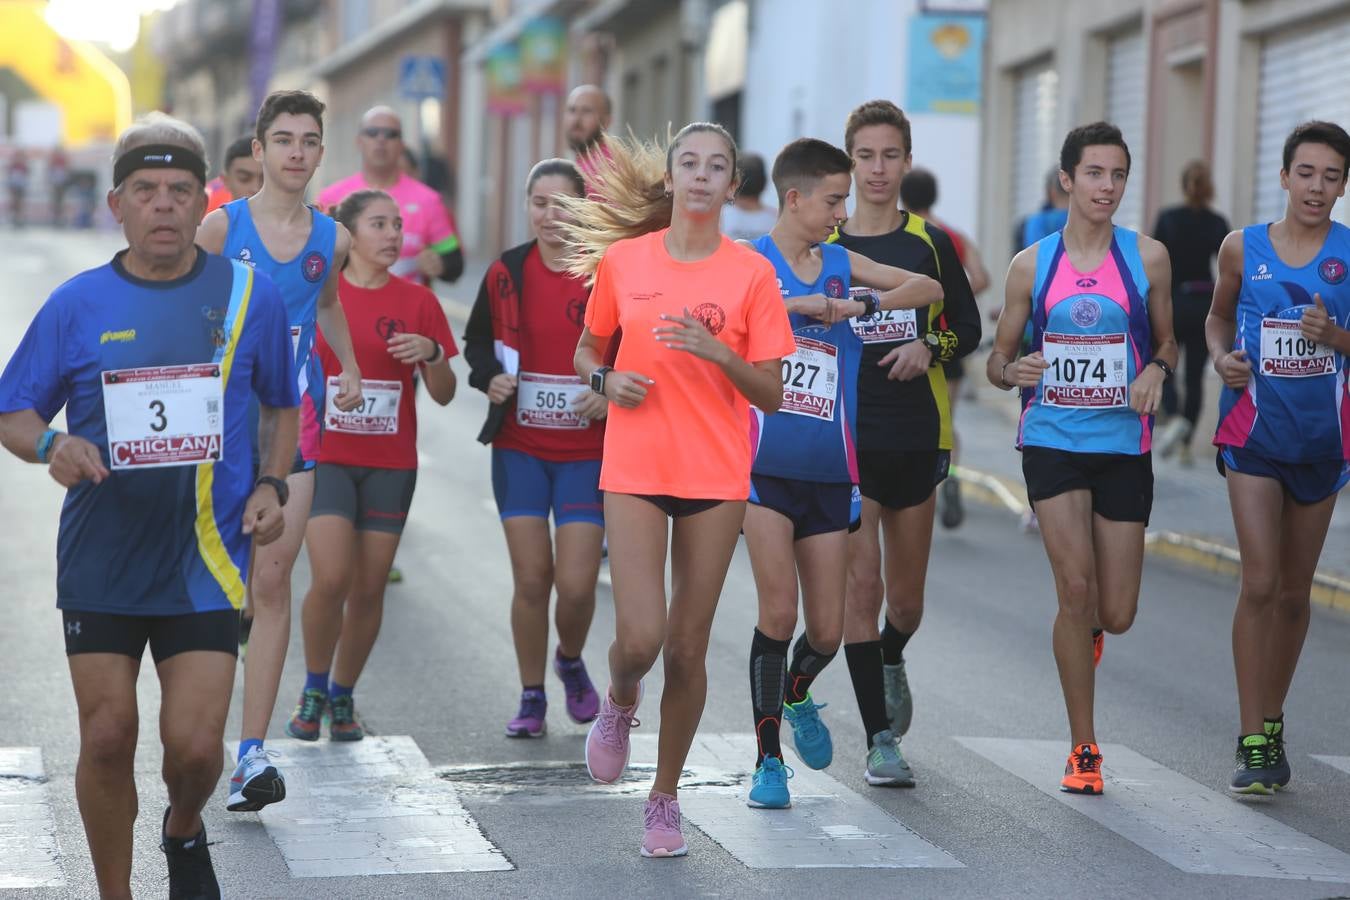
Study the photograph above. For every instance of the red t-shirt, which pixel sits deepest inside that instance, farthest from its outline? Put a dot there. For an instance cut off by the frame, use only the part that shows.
(383, 434)
(552, 307)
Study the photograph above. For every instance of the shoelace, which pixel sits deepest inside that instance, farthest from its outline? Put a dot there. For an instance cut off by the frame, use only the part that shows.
(662, 813)
(343, 710)
(1086, 761)
(1274, 748)
(532, 707)
(574, 679)
(608, 727)
(1254, 756)
(782, 772)
(888, 751)
(808, 726)
(311, 705)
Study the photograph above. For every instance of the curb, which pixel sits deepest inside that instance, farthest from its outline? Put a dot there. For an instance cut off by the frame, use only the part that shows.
(1186, 549)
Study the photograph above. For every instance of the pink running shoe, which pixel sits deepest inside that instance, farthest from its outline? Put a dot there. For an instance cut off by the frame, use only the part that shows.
(529, 722)
(607, 742)
(662, 836)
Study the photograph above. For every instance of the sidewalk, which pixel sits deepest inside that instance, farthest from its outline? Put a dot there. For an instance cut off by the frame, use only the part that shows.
(1191, 523)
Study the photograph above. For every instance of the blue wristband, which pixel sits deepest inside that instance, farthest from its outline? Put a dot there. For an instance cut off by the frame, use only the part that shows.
(44, 444)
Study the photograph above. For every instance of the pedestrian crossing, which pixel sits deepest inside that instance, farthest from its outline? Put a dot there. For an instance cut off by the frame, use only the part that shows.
(378, 808)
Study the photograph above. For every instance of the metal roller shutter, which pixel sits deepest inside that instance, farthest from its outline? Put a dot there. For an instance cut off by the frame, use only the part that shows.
(1304, 75)
(1126, 82)
(1035, 150)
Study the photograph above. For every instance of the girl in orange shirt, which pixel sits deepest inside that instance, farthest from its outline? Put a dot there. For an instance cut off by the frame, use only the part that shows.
(704, 334)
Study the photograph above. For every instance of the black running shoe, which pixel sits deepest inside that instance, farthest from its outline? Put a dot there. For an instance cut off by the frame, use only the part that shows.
(1276, 758)
(1253, 774)
(953, 513)
(191, 876)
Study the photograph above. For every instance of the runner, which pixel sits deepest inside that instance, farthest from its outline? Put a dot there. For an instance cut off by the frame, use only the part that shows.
(547, 432)
(904, 420)
(585, 121)
(367, 462)
(1192, 233)
(1277, 332)
(1098, 297)
(431, 248)
(802, 482)
(240, 176)
(918, 194)
(275, 224)
(154, 358)
(705, 335)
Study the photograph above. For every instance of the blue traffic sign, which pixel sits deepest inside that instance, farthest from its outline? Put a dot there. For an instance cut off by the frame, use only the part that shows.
(421, 77)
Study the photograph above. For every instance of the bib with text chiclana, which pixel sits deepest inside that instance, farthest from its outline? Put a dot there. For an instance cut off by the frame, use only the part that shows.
(163, 415)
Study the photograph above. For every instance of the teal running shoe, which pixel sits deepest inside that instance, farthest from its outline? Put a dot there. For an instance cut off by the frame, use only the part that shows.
(768, 786)
(886, 765)
(810, 737)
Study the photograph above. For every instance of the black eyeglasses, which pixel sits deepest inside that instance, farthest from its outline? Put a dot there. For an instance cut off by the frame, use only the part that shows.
(391, 134)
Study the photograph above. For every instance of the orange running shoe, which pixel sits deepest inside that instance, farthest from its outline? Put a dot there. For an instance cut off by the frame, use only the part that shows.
(1098, 644)
(1083, 771)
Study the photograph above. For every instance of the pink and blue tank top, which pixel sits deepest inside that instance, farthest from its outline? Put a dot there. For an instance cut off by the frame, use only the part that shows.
(1093, 329)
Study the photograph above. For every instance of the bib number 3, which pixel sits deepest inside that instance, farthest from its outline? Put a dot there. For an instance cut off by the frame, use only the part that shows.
(163, 415)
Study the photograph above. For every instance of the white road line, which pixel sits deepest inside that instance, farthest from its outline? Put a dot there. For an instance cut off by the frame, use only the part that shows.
(372, 807)
(1336, 762)
(1180, 821)
(29, 854)
(828, 826)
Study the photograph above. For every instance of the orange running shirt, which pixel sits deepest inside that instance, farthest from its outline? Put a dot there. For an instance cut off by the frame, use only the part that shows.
(689, 437)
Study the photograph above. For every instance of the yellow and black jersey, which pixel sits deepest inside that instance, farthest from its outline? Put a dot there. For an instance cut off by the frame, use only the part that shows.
(916, 414)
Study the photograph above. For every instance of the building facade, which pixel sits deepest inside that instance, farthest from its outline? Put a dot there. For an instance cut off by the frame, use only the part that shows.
(1219, 80)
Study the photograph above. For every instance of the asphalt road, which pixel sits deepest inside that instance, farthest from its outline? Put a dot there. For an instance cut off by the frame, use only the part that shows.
(984, 821)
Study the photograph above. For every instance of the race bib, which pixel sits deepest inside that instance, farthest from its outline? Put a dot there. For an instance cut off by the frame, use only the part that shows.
(548, 401)
(377, 414)
(163, 416)
(1087, 371)
(1286, 353)
(885, 326)
(811, 380)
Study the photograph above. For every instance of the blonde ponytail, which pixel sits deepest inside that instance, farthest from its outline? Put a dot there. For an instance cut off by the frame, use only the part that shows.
(627, 196)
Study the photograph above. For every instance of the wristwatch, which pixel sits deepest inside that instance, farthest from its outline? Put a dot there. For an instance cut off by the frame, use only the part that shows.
(283, 490)
(934, 345)
(598, 379)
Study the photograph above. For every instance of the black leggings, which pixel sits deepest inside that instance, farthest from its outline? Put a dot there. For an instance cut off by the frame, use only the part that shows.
(1188, 322)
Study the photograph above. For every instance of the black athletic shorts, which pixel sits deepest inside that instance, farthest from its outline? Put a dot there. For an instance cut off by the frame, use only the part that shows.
(97, 632)
(1121, 483)
(678, 507)
(899, 479)
(813, 507)
(371, 499)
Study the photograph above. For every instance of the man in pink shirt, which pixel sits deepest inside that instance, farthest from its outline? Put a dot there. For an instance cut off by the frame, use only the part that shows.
(431, 247)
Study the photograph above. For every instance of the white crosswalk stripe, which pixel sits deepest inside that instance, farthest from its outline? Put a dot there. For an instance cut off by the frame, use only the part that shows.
(1336, 762)
(828, 826)
(372, 807)
(1179, 820)
(29, 853)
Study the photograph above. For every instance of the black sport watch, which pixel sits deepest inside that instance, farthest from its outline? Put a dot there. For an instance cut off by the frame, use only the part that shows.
(598, 379)
(934, 345)
(281, 487)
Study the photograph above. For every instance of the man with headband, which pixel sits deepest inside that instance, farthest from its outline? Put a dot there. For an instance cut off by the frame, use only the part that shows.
(155, 357)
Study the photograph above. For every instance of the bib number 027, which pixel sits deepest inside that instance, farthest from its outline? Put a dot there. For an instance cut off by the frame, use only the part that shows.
(798, 374)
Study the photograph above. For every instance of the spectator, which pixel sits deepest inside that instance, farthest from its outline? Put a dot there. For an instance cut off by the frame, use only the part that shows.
(747, 218)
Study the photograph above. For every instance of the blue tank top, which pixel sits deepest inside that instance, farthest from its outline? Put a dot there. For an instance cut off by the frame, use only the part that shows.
(1093, 329)
(1294, 408)
(812, 437)
(299, 280)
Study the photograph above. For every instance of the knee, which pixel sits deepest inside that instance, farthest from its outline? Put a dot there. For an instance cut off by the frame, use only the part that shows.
(637, 650)
(1259, 590)
(865, 592)
(685, 660)
(826, 640)
(533, 586)
(271, 587)
(193, 756)
(575, 592)
(1116, 622)
(1075, 597)
(779, 624)
(108, 740)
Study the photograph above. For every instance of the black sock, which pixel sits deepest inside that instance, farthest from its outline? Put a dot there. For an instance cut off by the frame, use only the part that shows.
(807, 663)
(893, 642)
(864, 667)
(768, 663)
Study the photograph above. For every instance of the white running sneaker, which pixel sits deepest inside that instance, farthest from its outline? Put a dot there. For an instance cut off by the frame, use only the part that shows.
(255, 782)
